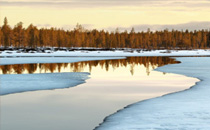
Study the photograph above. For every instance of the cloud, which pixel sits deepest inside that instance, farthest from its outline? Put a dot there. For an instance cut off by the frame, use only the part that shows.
(106, 3)
(191, 26)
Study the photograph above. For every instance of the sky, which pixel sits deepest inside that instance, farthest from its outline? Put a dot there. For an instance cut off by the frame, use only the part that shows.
(109, 14)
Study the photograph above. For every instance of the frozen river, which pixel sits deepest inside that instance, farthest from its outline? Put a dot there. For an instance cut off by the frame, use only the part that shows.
(112, 85)
(183, 110)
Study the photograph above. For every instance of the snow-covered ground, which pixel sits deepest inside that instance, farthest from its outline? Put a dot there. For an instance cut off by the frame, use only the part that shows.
(16, 83)
(109, 53)
(185, 110)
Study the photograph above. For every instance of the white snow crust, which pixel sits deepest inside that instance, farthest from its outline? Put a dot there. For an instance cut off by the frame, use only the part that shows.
(30, 60)
(16, 83)
(118, 53)
(185, 110)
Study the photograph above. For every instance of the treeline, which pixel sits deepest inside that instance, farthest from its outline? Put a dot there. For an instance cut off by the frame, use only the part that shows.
(33, 37)
(130, 62)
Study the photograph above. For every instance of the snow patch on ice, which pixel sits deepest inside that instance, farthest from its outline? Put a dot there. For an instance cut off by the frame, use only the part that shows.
(16, 83)
(185, 110)
(30, 60)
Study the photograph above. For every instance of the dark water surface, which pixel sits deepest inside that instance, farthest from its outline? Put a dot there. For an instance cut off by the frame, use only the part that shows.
(113, 84)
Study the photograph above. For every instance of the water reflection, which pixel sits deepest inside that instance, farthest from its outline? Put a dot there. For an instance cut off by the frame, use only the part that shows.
(147, 62)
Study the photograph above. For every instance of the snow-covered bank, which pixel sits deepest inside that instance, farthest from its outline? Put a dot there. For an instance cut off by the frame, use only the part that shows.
(30, 60)
(13, 83)
(185, 110)
(119, 53)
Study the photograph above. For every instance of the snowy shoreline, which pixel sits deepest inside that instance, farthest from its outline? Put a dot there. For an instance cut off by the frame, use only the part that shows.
(14, 57)
(108, 53)
(31, 60)
(187, 109)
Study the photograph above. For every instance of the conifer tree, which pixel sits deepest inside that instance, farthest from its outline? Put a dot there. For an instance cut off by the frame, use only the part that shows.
(6, 30)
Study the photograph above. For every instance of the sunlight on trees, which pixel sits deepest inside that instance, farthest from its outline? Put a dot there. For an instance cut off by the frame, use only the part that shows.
(33, 37)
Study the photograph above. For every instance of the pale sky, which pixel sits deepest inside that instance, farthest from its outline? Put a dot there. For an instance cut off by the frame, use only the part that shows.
(109, 14)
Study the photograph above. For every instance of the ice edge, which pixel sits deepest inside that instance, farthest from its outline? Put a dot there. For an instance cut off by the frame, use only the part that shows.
(159, 69)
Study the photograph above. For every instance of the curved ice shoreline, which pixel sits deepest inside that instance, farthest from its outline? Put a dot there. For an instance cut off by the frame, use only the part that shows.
(185, 110)
(17, 83)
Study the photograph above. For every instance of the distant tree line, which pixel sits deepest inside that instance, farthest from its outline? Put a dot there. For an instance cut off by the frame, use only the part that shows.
(33, 37)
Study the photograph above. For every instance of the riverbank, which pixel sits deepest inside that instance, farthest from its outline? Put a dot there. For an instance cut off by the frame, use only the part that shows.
(188, 109)
(103, 53)
(31, 60)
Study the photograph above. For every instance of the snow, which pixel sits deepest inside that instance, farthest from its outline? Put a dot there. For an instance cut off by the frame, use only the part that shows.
(119, 53)
(185, 110)
(30, 60)
(16, 83)
(12, 57)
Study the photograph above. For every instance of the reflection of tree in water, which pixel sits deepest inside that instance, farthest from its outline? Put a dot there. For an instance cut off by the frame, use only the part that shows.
(6, 69)
(31, 68)
(147, 62)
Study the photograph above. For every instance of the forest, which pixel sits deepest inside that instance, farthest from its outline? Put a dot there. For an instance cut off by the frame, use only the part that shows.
(33, 37)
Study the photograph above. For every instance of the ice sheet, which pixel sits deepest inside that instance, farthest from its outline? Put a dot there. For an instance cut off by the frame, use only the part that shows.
(185, 110)
(28, 60)
(17, 83)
